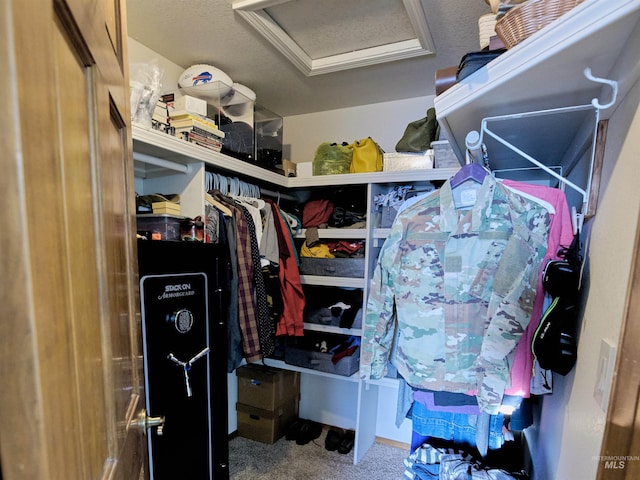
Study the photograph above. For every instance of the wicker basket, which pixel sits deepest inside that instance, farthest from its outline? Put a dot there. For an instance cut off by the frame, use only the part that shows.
(524, 20)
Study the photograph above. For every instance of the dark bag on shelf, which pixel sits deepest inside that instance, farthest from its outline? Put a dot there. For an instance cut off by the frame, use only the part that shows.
(474, 61)
(419, 134)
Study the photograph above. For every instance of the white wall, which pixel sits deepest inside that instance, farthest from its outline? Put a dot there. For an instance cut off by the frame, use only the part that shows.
(568, 438)
(384, 122)
(140, 54)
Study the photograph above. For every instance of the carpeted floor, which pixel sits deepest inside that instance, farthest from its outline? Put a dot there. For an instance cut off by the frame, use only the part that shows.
(285, 460)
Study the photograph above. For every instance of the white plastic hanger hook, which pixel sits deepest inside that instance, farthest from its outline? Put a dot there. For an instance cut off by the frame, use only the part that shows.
(605, 81)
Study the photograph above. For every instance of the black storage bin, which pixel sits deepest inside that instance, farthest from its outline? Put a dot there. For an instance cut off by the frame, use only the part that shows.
(336, 307)
(332, 267)
(304, 352)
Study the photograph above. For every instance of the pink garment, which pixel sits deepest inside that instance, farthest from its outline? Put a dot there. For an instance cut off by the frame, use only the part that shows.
(560, 235)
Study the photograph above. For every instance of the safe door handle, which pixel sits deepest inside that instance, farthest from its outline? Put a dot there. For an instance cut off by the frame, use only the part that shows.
(143, 422)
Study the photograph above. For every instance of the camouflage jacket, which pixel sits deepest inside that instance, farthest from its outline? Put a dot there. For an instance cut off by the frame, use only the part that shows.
(453, 290)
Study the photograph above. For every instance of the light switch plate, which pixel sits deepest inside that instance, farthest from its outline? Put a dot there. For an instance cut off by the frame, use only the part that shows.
(604, 377)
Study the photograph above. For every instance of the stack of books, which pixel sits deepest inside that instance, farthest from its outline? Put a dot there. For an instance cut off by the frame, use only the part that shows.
(160, 117)
(196, 129)
(170, 208)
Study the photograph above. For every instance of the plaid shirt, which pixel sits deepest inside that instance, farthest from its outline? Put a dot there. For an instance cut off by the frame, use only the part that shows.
(247, 315)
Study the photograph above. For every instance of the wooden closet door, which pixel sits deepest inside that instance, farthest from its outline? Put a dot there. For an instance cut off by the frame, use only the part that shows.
(69, 331)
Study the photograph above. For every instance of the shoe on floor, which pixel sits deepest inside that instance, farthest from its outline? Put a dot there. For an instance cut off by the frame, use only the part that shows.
(309, 431)
(346, 444)
(294, 430)
(333, 439)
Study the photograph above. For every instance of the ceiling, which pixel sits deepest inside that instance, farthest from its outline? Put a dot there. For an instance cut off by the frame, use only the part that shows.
(303, 56)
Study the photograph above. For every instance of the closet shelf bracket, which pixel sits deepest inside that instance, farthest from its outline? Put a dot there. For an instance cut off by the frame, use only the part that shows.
(477, 152)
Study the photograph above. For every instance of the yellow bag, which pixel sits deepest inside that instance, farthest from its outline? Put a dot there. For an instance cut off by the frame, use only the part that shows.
(367, 156)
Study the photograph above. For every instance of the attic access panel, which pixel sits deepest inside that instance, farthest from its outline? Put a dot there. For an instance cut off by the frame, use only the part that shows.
(332, 35)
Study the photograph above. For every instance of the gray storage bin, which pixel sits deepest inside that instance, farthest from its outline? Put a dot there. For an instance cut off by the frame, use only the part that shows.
(332, 267)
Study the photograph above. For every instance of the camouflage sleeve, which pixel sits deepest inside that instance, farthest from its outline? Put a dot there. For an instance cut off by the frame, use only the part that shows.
(379, 323)
(511, 305)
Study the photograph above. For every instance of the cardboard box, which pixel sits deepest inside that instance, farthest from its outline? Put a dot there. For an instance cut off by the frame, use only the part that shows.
(166, 207)
(289, 168)
(266, 426)
(265, 387)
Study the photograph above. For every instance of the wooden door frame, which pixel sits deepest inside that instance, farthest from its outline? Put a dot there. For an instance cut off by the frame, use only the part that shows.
(621, 439)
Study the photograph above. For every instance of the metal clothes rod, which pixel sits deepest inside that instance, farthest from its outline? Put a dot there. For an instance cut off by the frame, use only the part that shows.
(161, 162)
(277, 195)
(235, 186)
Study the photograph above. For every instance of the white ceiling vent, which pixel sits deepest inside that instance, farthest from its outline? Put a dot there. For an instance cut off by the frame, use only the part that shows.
(332, 35)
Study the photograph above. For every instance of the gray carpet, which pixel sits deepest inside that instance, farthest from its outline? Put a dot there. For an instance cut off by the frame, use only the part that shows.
(285, 460)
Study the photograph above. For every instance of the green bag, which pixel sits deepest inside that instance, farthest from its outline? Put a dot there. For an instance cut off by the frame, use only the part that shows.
(332, 159)
(419, 134)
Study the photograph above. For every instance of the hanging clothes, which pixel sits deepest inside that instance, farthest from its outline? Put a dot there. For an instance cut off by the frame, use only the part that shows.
(247, 317)
(458, 288)
(560, 235)
(235, 353)
(270, 261)
(291, 321)
(266, 329)
(220, 229)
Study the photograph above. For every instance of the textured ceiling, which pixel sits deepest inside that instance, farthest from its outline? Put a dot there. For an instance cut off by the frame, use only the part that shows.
(345, 26)
(209, 31)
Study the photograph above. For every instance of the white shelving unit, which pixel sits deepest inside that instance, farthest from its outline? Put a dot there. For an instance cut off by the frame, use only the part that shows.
(167, 164)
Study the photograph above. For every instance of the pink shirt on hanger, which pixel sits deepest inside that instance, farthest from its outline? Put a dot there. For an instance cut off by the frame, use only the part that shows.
(560, 235)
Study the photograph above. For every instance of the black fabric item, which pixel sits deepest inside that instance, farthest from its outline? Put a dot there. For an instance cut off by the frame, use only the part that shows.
(554, 347)
(294, 430)
(343, 217)
(349, 315)
(473, 61)
(560, 279)
(554, 344)
(274, 293)
(238, 141)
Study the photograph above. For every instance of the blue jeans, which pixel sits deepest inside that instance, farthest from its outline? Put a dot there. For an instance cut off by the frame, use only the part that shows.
(455, 427)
